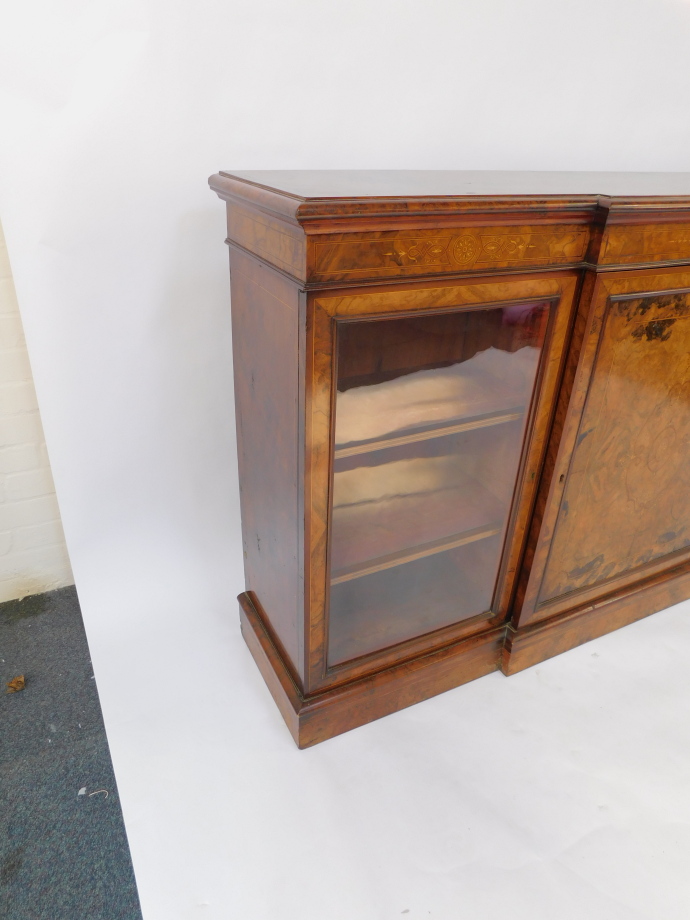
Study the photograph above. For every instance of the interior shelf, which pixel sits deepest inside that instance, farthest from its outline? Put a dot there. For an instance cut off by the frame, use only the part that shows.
(390, 606)
(499, 417)
(418, 552)
(484, 387)
(373, 535)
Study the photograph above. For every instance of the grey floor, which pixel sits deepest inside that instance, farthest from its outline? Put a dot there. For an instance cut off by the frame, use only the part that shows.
(63, 856)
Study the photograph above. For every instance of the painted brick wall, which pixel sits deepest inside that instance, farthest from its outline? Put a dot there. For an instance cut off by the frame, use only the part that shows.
(33, 555)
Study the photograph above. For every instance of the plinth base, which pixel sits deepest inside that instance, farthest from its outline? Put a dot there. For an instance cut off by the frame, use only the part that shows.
(316, 718)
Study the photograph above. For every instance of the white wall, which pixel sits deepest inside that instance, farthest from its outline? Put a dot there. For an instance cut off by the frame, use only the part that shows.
(116, 111)
(33, 555)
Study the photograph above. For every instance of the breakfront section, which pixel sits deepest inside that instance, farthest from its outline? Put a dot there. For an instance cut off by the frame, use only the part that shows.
(463, 419)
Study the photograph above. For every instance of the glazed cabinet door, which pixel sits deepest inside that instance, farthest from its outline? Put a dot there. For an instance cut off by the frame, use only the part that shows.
(427, 416)
(618, 511)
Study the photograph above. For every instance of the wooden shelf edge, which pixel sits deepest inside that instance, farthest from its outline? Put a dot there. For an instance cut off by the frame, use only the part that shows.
(418, 552)
(480, 421)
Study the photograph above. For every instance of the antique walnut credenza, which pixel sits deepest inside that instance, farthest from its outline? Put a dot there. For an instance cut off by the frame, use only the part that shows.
(463, 417)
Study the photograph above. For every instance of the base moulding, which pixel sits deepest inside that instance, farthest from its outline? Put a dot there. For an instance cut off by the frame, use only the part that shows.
(331, 712)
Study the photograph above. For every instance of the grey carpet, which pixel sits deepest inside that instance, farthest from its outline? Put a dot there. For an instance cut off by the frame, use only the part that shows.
(63, 856)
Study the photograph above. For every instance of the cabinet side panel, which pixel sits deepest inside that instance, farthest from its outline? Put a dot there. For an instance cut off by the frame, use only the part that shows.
(265, 329)
(277, 241)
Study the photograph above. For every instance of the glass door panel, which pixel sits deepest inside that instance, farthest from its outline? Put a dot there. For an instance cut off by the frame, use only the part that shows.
(430, 420)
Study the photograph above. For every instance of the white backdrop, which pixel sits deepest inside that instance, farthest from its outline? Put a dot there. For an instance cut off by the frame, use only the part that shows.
(562, 792)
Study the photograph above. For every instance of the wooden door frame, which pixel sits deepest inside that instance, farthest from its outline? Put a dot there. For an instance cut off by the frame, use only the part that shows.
(609, 288)
(324, 310)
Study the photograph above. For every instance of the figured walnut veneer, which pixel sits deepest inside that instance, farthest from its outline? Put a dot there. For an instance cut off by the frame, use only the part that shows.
(597, 531)
(629, 471)
(390, 253)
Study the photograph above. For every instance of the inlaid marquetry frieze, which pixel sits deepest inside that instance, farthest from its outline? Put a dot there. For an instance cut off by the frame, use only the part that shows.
(428, 252)
(625, 245)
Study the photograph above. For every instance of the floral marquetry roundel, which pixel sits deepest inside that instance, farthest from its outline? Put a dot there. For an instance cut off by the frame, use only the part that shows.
(465, 249)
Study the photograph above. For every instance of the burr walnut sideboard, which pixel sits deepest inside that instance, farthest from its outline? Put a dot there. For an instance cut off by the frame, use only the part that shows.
(463, 417)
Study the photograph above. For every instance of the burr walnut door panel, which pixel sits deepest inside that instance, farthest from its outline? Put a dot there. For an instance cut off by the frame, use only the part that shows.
(619, 509)
(427, 416)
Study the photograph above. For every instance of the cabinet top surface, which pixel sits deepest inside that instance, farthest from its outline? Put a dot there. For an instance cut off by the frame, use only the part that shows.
(414, 183)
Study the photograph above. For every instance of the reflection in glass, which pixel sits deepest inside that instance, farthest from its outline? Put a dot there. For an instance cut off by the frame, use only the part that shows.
(430, 419)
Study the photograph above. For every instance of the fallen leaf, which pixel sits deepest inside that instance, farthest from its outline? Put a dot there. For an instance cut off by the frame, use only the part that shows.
(16, 684)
